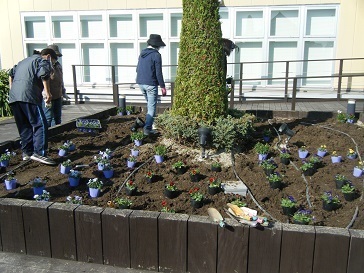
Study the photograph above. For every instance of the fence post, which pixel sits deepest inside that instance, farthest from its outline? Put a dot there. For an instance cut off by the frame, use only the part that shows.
(340, 79)
(294, 91)
(115, 87)
(232, 95)
(75, 83)
(286, 82)
(172, 93)
(241, 82)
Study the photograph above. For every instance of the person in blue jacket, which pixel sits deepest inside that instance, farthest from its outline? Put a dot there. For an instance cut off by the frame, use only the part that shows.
(149, 76)
(27, 80)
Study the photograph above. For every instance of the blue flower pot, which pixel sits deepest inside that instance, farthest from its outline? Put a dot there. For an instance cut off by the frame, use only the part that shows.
(94, 192)
(38, 190)
(4, 163)
(74, 181)
(65, 169)
(108, 173)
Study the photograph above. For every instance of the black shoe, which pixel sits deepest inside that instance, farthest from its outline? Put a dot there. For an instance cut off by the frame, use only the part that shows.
(149, 132)
(42, 159)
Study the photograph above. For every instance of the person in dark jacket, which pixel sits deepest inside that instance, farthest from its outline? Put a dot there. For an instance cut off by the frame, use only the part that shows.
(27, 79)
(149, 76)
(53, 111)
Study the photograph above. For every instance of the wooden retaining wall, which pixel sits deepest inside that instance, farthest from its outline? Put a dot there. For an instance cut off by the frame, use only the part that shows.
(174, 242)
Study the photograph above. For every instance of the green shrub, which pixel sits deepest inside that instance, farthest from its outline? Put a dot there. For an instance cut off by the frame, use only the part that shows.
(200, 89)
(227, 132)
(5, 110)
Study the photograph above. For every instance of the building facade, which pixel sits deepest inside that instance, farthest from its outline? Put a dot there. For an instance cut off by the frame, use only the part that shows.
(98, 33)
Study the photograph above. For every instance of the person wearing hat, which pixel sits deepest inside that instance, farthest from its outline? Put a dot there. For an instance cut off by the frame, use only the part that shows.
(149, 76)
(27, 79)
(53, 110)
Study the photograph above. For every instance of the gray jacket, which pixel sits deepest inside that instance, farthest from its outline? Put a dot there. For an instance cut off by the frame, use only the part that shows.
(27, 78)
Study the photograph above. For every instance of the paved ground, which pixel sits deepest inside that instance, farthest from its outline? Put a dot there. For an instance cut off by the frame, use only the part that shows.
(11, 262)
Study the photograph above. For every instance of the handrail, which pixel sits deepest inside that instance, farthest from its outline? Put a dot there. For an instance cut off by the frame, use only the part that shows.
(286, 78)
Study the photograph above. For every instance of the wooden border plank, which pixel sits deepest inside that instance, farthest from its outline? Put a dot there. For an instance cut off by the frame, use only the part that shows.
(233, 245)
(331, 250)
(172, 242)
(144, 240)
(88, 234)
(298, 243)
(264, 249)
(356, 252)
(202, 245)
(62, 231)
(11, 225)
(36, 228)
(115, 237)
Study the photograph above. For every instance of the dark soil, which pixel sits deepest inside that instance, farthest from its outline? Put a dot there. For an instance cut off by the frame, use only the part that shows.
(116, 136)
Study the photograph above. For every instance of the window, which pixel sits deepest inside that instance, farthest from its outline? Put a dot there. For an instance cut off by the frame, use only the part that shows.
(151, 23)
(321, 22)
(284, 23)
(92, 27)
(35, 27)
(176, 23)
(63, 27)
(249, 24)
(121, 26)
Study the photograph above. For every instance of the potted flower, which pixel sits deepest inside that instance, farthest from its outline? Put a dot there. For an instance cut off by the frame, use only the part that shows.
(135, 151)
(101, 160)
(62, 150)
(238, 202)
(302, 152)
(321, 151)
(262, 149)
(94, 186)
(70, 145)
(335, 158)
(350, 118)
(330, 202)
(131, 161)
(165, 207)
(216, 166)
(196, 197)
(130, 188)
(74, 177)
(137, 137)
(340, 181)
(349, 192)
(288, 205)
(214, 185)
(358, 169)
(308, 169)
(106, 154)
(108, 170)
(267, 134)
(120, 111)
(315, 160)
(38, 185)
(341, 117)
(5, 158)
(129, 109)
(66, 166)
(285, 156)
(43, 197)
(180, 167)
(160, 152)
(195, 175)
(268, 166)
(123, 203)
(74, 200)
(302, 217)
(351, 154)
(275, 180)
(170, 190)
(149, 175)
(10, 181)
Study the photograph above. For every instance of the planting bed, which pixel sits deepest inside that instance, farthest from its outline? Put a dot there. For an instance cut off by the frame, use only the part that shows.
(116, 136)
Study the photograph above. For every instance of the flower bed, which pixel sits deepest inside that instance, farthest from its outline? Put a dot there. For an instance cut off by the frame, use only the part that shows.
(117, 138)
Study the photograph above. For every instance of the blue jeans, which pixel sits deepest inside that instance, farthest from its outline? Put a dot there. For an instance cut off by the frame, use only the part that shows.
(54, 113)
(32, 127)
(150, 93)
